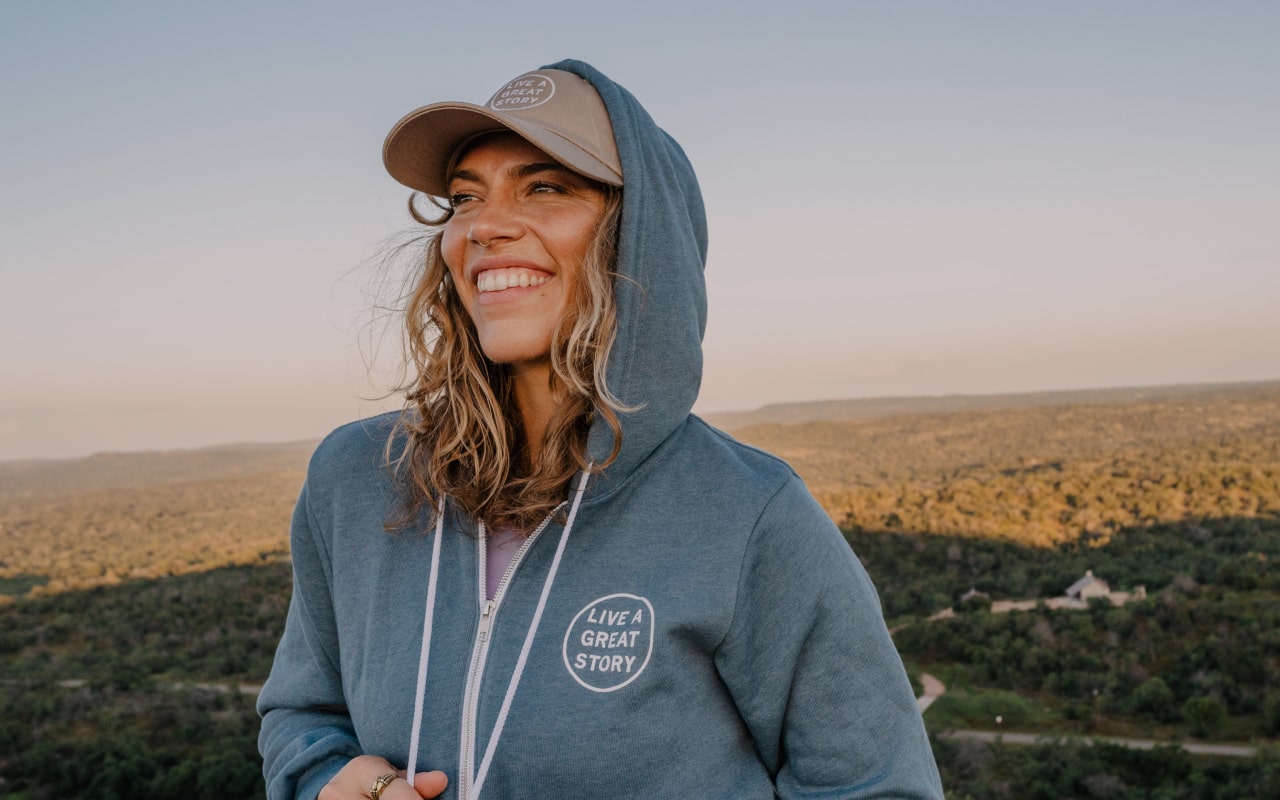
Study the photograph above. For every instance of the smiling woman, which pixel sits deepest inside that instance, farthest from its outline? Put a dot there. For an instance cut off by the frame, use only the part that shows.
(519, 231)
(518, 287)
(590, 574)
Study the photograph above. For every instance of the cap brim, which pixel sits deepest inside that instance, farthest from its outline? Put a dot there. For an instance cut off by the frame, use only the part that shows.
(420, 146)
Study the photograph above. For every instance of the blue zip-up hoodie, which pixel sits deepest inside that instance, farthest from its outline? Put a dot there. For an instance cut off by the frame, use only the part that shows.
(697, 629)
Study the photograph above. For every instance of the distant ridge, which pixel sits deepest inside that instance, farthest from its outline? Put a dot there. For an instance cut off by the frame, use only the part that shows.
(112, 470)
(125, 470)
(880, 407)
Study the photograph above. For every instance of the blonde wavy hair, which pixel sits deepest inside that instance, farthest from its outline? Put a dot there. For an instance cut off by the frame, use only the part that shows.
(460, 433)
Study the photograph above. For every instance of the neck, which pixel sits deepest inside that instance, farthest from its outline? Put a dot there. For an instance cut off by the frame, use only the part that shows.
(535, 401)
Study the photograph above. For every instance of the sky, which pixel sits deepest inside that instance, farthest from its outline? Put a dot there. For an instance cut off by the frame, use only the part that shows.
(904, 198)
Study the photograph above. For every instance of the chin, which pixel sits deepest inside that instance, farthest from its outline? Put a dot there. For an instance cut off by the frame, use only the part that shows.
(515, 352)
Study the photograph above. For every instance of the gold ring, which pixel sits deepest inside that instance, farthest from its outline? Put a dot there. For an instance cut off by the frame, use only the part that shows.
(381, 783)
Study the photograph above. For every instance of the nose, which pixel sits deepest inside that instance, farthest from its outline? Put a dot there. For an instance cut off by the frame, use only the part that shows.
(496, 220)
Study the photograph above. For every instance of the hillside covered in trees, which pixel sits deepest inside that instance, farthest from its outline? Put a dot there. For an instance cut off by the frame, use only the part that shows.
(96, 521)
(141, 595)
(1044, 474)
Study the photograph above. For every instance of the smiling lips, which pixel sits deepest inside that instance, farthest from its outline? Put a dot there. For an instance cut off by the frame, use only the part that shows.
(497, 280)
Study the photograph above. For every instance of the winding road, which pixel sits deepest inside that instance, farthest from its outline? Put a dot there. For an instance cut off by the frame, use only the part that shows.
(934, 688)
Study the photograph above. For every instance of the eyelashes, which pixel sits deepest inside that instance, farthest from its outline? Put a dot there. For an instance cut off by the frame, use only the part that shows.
(458, 199)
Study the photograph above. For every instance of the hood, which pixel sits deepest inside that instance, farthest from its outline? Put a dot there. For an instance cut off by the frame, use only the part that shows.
(655, 366)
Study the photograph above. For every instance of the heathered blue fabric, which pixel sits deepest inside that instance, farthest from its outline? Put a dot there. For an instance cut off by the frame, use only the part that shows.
(709, 635)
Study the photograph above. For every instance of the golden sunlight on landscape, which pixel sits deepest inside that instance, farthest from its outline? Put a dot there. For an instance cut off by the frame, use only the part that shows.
(96, 521)
(1034, 474)
(1042, 475)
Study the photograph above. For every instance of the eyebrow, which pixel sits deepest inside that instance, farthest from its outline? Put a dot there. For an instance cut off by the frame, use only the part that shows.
(521, 171)
(526, 170)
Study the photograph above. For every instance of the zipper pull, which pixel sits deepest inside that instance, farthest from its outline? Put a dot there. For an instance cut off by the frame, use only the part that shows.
(486, 619)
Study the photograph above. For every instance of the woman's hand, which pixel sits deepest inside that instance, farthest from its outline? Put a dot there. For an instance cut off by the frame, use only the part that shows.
(356, 779)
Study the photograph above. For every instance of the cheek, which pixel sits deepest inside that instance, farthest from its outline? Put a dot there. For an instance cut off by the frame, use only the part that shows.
(573, 242)
(453, 246)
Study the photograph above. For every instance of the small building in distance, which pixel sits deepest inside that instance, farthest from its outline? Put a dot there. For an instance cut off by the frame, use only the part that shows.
(1076, 596)
(1088, 587)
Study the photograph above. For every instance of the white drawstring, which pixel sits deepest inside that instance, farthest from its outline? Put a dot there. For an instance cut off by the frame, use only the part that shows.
(424, 655)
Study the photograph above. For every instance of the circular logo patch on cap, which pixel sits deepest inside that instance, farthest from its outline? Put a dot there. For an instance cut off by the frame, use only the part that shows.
(527, 91)
(609, 642)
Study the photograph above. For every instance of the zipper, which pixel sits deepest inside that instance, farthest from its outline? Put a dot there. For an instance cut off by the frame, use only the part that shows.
(480, 648)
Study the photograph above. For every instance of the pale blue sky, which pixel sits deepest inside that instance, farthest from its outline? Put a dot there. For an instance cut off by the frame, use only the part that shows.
(904, 197)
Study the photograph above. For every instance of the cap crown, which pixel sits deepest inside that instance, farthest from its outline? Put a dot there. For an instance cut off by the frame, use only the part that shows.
(558, 112)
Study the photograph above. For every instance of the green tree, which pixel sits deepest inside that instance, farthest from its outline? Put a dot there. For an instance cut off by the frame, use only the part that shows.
(1271, 715)
(1204, 714)
(1155, 699)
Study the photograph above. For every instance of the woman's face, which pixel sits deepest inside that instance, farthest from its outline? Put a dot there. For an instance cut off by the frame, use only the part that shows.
(514, 246)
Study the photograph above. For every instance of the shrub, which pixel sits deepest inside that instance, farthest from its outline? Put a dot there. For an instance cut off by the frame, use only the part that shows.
(1204, 714)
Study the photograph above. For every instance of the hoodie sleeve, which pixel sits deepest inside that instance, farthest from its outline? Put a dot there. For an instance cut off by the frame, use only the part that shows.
(306, 734)
(812, 669)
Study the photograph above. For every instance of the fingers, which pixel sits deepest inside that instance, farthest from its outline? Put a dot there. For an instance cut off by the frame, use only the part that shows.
(430, 784)
(398, 789)
(356, 780)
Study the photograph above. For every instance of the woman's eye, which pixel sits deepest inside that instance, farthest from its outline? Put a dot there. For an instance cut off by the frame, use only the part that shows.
(459, 198)
(546, 188)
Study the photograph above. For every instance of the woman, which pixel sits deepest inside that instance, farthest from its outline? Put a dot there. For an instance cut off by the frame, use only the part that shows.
(675, 615)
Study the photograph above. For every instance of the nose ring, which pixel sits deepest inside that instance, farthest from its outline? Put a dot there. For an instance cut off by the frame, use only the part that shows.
(471, 235)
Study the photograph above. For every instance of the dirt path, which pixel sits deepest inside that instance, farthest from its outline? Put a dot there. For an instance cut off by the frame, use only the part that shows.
(1195, 748)
(933, 689)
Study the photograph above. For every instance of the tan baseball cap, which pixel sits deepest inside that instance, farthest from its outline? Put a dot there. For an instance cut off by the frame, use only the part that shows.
(557, 111)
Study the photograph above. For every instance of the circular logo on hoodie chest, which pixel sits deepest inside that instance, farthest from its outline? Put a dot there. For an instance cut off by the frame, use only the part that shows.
(609, 642)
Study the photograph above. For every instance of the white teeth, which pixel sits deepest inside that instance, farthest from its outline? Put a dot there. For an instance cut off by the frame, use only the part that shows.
(495, 280)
